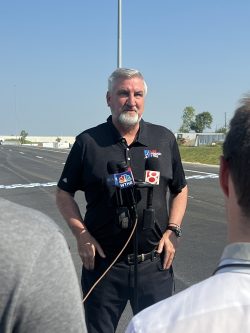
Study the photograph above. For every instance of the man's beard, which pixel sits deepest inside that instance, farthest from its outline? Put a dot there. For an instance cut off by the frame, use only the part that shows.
(127, 120)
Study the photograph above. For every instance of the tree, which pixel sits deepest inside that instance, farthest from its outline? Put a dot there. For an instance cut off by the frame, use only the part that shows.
(23, 136)
(187, 119)
(202, 120)
(58, 139)
(222, 130)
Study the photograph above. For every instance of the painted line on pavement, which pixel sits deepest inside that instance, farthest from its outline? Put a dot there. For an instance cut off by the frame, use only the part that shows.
(212, 176)
(205, 175)
(9, 187)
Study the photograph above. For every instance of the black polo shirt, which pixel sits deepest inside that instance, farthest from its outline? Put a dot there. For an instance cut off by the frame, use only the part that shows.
(86, 170)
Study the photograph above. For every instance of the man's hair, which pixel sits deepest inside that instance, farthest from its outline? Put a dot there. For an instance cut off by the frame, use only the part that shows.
(236, 150)
(126, 73)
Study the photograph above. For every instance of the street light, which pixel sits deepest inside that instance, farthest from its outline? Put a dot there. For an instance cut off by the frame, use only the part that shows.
(119, 41)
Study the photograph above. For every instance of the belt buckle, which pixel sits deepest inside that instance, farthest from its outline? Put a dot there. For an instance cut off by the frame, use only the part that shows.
(154, 255)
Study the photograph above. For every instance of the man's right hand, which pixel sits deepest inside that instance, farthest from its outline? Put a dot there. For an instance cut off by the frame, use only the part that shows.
(87, 247)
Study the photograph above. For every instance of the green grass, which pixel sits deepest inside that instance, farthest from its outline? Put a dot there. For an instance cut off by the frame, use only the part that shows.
(202, 154)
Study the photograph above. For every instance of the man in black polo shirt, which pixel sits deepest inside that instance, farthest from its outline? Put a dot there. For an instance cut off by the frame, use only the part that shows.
(124, 142)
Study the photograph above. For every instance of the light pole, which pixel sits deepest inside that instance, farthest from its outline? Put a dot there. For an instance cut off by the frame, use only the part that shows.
(119, 41)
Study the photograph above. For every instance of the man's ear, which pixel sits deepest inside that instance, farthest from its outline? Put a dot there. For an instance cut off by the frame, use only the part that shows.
(224, 175)
(108, 98)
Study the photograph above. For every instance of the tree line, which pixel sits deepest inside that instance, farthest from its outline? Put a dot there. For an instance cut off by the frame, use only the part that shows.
(197, 122)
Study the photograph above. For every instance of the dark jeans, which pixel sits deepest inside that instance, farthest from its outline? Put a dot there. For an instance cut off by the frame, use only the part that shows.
(105, 304)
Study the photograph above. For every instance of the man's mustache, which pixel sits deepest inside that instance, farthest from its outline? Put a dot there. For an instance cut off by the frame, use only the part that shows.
(126, 108)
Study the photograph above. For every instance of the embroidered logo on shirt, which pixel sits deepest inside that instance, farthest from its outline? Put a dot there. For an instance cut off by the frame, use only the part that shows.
(151, 153)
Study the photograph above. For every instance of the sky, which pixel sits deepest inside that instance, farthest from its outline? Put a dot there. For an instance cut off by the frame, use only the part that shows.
(56, 57)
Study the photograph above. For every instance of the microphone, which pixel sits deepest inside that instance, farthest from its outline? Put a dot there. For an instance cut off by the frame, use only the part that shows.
(152, 173)
(152, 177)
(122, 179)
(112, 168)
(125, 181)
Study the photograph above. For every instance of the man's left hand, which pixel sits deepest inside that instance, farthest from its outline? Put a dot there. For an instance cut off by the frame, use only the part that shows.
(168, 244)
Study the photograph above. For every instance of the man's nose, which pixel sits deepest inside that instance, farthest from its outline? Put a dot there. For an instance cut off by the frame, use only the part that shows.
(131, 100)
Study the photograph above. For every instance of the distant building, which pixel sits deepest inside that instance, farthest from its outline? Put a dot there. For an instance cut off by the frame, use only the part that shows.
(44, 141)
(199, 139)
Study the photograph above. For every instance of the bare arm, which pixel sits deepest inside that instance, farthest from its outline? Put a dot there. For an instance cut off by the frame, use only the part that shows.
(87, 245)
(169, 242)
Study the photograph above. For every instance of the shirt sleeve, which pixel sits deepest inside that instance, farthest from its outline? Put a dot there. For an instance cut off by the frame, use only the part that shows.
(178, 180)
(130, 328)
(71, 179)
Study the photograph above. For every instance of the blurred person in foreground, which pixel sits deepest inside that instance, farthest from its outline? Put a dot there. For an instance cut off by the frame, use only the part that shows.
(39, 290)
(220, 303)
(126, 139)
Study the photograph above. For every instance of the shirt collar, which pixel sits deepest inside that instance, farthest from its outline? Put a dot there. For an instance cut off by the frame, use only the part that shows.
(237, 251)
(116, 135)
(142, 137)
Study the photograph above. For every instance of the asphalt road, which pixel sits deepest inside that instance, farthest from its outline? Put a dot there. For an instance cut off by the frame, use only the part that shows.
(28, 176)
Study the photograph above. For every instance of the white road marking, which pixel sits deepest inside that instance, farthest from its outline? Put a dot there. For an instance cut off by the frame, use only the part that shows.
(213, 176)
(8, 187)
(205, 175)
(202, 175)
(39, 157)
(196, 171)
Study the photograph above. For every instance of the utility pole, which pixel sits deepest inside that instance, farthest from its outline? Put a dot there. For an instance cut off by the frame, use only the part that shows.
(119, 41)
(15, 112)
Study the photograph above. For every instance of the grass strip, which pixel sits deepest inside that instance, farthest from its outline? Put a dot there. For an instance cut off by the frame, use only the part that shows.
(201, 154)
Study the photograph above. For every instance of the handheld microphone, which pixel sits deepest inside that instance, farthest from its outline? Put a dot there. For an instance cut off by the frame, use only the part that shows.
(112, 168)
(125, 181)
(122, 179)
(152, 173)
(152, 177)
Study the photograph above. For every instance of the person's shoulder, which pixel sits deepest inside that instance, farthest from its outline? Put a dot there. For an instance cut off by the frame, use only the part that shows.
(25, 233)
(158, 316)
(92, 131)
(198, 295)
(159, 129)
(199, 302)
(29, 223)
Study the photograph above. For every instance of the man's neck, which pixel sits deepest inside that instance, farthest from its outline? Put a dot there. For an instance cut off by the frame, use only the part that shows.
(239, 229)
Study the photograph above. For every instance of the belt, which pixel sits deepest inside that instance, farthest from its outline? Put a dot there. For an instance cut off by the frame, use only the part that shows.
(142, 257)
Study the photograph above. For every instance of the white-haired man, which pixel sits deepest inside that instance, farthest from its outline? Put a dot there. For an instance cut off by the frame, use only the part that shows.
(125, 139)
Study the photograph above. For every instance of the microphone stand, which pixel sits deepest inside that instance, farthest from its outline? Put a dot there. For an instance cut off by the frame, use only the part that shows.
(116, 167)
(134, 220)
(134, 214)
(135, 245)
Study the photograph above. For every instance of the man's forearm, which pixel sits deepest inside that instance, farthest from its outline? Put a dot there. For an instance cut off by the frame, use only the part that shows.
(70, 211)
(178, 204)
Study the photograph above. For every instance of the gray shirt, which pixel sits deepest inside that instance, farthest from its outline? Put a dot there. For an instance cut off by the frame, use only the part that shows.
(39, 289)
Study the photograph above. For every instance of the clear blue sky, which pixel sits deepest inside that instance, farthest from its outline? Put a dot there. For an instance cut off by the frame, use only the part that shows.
(56, 56)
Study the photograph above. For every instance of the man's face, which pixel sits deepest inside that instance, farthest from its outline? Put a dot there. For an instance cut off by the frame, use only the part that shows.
(126, 101)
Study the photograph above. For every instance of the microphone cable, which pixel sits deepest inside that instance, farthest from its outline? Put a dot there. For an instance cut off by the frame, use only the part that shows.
(112, 263)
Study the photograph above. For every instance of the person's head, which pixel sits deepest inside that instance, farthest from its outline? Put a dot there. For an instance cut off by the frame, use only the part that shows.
(236, 155)
(125, 97)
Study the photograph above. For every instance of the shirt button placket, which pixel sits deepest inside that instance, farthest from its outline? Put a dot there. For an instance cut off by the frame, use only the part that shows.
(128, 158)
